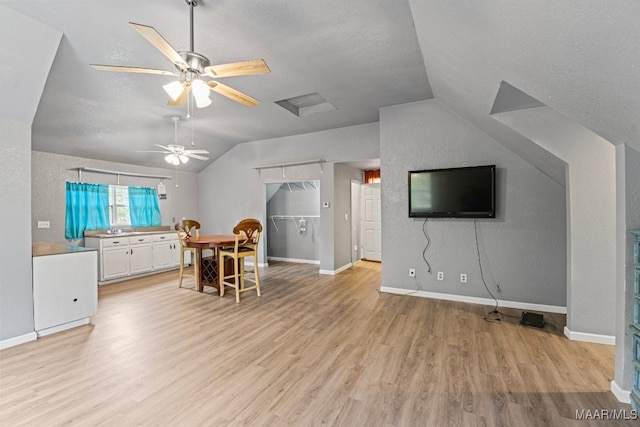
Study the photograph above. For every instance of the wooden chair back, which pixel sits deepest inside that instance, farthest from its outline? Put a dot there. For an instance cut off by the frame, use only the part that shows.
(187, 228)
(190, 228)
(247, 233)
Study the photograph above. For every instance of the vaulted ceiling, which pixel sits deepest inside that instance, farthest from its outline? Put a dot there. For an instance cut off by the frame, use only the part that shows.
(580, 59)
(358, 55)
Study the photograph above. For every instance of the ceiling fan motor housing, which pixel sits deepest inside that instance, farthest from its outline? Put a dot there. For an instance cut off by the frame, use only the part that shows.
(196, 62)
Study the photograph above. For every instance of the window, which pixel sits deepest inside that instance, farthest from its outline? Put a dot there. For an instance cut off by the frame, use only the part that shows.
(119, 206)
(372, 176)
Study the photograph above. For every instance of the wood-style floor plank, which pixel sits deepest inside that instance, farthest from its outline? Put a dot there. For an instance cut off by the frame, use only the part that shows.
(314, 350)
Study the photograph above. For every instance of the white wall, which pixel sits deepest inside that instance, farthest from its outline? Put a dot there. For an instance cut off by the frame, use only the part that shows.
(523, 249)
(50, 172)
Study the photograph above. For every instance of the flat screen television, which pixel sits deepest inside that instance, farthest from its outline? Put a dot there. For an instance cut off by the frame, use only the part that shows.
(466, 192)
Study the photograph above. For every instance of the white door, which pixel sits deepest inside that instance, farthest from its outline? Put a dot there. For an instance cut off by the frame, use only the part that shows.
(371, 222)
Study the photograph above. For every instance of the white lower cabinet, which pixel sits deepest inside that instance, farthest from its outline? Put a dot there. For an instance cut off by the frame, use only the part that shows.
(162, 248)
(114, 256)
(140, 256)
(121, 257)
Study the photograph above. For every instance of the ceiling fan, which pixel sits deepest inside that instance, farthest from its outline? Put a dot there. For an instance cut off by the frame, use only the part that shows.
(176, 153)
(192, 67)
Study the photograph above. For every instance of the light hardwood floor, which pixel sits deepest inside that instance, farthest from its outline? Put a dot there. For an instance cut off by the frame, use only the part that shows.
(313, 350)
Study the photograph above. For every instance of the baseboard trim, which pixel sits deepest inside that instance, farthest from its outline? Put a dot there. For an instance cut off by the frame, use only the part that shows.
(298, 260)
(12, 342)
(477, 300)
(260, 264)
(592, 338)
(334, 272)
(621, 394)
(63, 327)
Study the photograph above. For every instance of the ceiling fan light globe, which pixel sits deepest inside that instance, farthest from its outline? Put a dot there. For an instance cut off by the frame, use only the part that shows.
(202, 102)
(200, 89)
(173, 159)
(183, 158)
(174, 89)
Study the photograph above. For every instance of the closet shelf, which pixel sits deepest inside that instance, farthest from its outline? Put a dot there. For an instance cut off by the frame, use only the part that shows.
(293, 218)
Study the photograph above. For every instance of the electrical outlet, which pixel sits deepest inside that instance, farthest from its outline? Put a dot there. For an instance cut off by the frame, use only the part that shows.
(412, 272)
(463, 278)
(43, 224)
(355, 247)
(440, 275)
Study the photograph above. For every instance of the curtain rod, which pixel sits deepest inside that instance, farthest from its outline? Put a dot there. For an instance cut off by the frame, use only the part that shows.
(108, 172)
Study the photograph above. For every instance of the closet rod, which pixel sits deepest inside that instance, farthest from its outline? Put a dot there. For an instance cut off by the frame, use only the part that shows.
(137, 175)
(280, 165)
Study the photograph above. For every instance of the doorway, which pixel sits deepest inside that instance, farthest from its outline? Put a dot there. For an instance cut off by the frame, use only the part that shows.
(293, 220)
(370, 222)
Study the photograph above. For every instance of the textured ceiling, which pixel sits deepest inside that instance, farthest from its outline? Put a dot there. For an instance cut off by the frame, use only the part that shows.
(578, 58)
(359, 55)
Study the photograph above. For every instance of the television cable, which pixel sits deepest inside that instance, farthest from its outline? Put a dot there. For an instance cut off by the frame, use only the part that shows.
(424, 252)
(495, 309)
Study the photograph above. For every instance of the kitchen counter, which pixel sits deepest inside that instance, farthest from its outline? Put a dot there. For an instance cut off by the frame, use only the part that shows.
(46, 248)
(104, 234)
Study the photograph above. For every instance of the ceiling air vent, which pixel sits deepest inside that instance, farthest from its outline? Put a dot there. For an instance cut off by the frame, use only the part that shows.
(306, 104)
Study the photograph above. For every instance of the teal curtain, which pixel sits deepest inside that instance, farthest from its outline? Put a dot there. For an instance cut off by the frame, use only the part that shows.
(87, 208)
(143, 207)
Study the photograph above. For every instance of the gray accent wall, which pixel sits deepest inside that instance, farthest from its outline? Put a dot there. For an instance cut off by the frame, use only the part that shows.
(523, 249)
(231, 188)
(50, 172)
(591, 214)
(16, 295)
(343, 175)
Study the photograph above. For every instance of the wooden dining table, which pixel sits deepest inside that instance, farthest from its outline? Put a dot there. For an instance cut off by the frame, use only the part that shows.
(211, 241)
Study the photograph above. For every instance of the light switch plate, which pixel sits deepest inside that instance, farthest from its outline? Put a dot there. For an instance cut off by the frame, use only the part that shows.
(43, 224)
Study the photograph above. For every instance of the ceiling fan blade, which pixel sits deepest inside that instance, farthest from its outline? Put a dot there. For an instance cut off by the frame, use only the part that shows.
(244, 68)
(195, 156)
(151, 151)
(161, 44)
(197, 151)
(166, 148)
(133, 69)
(233, 94)
(183, 96)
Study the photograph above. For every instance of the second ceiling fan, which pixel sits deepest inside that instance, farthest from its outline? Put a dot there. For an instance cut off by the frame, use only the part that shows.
(191, 68)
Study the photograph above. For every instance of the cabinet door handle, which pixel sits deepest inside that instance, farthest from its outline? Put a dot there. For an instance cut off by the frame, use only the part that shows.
(131, 251)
